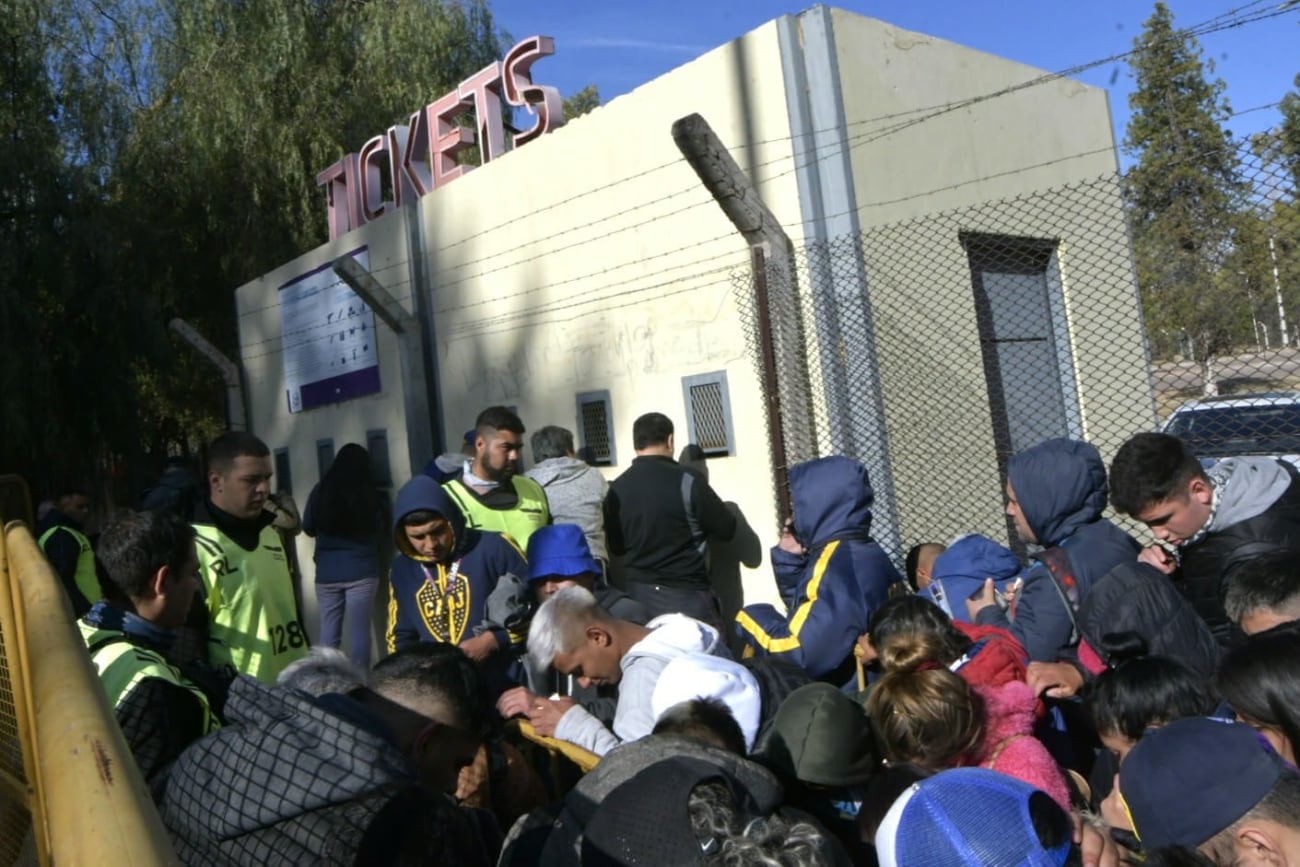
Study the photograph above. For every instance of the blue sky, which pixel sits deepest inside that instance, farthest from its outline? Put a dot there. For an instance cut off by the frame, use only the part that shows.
(618, 45)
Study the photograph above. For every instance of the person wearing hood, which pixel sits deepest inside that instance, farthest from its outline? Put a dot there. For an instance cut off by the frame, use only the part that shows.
(558, 557)
(573, 634)
(449, 465)
(575, 490)
(962, 569)
(821, 748)
(829, 572)
(558, 834)
(177, 491)
(1056, 492)
(455, 585)
(1209, 521)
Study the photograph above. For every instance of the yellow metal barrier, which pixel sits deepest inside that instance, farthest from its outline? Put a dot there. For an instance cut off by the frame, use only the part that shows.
(70, 792)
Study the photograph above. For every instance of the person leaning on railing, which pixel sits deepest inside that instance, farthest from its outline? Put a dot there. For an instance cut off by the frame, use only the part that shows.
(153, 574)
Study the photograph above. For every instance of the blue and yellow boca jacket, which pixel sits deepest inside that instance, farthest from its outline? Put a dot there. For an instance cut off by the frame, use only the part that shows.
(831, 591)
(483, 589)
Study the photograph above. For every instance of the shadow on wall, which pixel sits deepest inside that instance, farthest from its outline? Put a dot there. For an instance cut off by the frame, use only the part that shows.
(726, 558)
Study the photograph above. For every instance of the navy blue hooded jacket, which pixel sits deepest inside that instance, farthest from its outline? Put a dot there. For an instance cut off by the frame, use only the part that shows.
(962, 569)
(1061, 487)
(831, 590)
(481, 590)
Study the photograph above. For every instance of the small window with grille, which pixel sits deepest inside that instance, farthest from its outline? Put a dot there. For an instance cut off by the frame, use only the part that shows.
(708, 413)
(324, 456)
(595, 429)
(283, 473)
(377, 446)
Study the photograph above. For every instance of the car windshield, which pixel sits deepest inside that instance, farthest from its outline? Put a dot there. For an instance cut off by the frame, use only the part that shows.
(1239, 430)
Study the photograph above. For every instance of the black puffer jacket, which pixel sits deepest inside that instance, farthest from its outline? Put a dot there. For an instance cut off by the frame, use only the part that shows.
(1139, 599)
(1207, 565)
(292, 780)
(552, 837)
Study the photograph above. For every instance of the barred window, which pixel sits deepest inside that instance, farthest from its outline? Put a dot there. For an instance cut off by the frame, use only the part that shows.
(324, 456)
(708, 413)
(596, 428)
(377, 445)
(283, 473)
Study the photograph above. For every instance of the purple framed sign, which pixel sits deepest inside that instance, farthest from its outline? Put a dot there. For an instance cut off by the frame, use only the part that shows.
(327, 334)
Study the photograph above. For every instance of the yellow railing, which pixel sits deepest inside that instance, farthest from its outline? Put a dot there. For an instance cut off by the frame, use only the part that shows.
(70, 792)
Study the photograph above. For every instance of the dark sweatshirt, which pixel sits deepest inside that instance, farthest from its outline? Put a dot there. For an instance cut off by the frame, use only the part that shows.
(660, 516)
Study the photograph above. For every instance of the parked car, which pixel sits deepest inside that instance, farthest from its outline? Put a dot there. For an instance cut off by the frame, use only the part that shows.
(1257, 424)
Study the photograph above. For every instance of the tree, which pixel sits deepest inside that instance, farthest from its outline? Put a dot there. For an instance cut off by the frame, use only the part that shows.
(160, 154)
(1289, 134)
(582, 102)
(1181, 194)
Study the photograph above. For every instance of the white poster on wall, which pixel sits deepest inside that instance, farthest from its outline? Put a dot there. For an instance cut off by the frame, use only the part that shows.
(327, 334)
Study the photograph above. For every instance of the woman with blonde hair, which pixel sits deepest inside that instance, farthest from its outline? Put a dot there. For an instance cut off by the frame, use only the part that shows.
(926, 715)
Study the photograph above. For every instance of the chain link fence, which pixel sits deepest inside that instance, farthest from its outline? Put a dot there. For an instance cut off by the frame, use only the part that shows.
(936, 348)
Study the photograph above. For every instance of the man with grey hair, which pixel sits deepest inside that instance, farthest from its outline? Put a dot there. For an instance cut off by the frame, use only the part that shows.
(1264, 592)
(574, 489)
(323, 670)
(575, 635)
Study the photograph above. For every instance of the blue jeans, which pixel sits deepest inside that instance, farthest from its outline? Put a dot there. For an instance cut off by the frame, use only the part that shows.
(351, 601)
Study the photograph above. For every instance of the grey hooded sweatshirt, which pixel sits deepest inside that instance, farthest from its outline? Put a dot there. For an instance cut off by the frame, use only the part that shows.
(575, 492)
(671, 636)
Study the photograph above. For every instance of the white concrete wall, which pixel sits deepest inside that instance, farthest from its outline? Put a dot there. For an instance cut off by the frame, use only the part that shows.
(593, 259)
(258, 308)
(913, 158)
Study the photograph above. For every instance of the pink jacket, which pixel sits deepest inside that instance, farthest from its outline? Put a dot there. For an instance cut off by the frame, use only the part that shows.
(1009, 746)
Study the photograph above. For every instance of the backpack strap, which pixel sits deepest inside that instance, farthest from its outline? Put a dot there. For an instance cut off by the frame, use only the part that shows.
(1067, 588)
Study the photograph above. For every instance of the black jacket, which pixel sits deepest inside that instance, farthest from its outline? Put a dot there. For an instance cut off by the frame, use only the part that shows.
(659, 516)
(292, 780)
(1137, 598)
(1207, 565)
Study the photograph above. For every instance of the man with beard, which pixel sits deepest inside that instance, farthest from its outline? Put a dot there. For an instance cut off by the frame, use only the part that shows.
(490, 493)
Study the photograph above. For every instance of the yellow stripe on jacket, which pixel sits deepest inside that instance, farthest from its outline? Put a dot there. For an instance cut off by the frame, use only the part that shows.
(790, 642)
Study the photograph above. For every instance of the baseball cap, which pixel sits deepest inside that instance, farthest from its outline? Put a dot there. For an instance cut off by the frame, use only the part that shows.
(971, 816)
(471, 436)
(1187, 781)
(559, 549)
(700, 675)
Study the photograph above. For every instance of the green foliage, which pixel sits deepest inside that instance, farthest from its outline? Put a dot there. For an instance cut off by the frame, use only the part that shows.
(1289, 134)
(1183, 195)
(582, 102)
(161, 154)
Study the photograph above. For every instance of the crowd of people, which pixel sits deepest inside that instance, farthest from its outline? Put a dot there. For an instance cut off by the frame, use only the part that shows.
(560, 684)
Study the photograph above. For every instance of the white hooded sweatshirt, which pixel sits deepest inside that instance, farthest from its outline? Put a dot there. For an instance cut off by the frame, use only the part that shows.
(671, 636)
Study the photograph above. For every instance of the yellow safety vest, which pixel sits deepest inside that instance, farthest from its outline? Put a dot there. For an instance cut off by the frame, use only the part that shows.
(252, 613)
(85, 577)
(122, 665)
(518, 523)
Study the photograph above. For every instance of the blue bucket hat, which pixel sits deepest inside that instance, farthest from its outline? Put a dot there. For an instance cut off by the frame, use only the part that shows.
(559, 550)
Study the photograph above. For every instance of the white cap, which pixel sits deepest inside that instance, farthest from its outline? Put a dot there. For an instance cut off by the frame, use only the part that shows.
(699, 675)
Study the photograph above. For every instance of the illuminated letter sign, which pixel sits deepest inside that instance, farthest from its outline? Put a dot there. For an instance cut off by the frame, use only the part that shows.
(422, 156)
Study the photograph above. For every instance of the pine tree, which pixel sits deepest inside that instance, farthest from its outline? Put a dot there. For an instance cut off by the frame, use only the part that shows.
(1181, 195)
(1289, 135)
